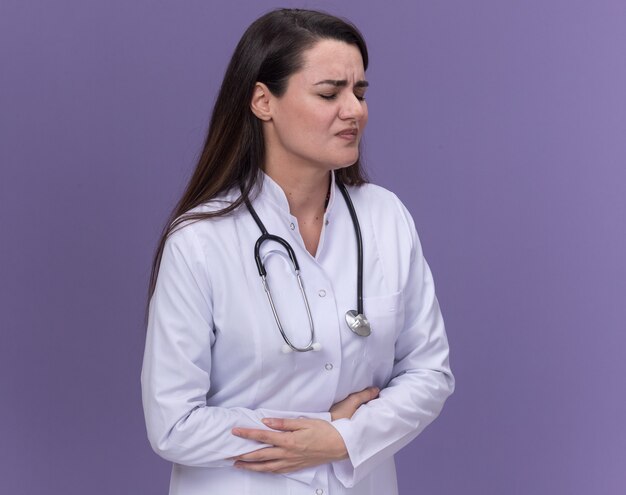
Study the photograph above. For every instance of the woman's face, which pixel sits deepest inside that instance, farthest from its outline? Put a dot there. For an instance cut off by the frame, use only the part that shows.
(320, 118)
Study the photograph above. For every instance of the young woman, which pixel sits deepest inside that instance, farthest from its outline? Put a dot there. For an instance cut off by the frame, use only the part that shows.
(294, 338)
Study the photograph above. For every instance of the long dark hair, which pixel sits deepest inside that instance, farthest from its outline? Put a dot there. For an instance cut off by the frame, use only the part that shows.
(269, 52)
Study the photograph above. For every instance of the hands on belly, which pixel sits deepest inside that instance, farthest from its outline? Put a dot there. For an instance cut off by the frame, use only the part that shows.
(300, 443)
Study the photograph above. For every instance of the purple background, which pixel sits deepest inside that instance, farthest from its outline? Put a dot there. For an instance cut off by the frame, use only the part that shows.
(501, 125)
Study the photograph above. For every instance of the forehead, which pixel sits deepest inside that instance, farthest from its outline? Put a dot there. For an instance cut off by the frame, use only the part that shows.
(331, 59)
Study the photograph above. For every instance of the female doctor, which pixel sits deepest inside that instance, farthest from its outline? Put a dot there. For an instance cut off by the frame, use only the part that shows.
(294, 340)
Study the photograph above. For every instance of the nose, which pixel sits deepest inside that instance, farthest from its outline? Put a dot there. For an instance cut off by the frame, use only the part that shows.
(352, 107)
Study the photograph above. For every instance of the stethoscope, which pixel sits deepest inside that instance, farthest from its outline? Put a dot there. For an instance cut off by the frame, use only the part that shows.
(356, 320)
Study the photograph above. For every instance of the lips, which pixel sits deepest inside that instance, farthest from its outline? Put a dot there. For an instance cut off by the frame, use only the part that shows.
(351, 132)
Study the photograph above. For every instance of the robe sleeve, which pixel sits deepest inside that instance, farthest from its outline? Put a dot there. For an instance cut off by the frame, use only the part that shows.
(421, 377)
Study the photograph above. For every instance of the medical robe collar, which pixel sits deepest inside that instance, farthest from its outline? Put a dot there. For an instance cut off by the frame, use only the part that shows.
(273, 193)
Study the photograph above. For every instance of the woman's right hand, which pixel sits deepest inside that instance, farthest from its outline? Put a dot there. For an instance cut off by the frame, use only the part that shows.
(299, 443)
(348, 406)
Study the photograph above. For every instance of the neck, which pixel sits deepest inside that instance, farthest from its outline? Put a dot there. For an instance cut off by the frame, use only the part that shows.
(305, 189)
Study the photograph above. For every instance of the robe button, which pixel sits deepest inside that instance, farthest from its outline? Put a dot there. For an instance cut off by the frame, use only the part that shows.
(292, 226)
(322, 293)
(329, 366)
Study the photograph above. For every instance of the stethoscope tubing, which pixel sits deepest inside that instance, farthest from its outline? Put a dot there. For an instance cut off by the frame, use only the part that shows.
(265, 236)
(359, 244)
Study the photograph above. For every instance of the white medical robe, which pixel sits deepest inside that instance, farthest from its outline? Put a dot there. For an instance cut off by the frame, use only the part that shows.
(213, 358)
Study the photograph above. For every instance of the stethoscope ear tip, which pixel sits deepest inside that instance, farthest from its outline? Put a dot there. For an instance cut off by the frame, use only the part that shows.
(286, 349)
(317, 346)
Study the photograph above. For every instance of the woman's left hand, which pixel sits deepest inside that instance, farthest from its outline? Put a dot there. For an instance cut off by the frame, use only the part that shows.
(297, 444)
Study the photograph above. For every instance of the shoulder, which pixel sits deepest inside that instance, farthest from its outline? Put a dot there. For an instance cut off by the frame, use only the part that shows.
(203, 219)
(382, 204)
(378, 198)
(389, 218)
(372, 192)
(219, 202)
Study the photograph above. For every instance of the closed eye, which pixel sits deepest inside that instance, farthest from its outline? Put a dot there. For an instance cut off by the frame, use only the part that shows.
(333, 96)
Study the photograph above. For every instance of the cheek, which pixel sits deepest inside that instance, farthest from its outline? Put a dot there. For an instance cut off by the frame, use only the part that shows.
(308, 120)
(320, 117)
(316, 125)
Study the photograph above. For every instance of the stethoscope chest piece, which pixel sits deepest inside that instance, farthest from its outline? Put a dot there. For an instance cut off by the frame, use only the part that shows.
(358, 323)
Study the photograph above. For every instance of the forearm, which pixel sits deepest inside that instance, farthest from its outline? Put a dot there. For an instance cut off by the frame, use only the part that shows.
(203, 437)
(383, 426)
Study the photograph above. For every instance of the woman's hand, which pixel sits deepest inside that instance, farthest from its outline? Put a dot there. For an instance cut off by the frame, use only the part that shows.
(347, 407)
(300, 443)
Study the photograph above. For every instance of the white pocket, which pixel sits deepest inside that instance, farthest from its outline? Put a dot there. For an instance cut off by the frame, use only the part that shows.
(386, 317)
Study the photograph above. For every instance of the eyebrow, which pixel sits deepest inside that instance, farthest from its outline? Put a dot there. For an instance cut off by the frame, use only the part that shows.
(342, 83)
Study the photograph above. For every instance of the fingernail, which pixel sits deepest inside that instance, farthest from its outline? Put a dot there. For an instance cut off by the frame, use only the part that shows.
(236, 432)
(267, 422)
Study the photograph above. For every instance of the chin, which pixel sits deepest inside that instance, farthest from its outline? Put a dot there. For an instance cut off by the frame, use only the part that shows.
(346, 160)
(349, 163)
(339, 167)
(336, 161)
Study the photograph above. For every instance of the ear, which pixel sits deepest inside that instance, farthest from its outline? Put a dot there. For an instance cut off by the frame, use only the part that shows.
(260, 102)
